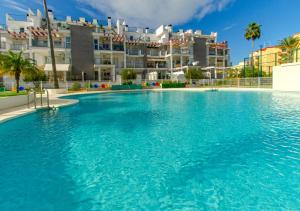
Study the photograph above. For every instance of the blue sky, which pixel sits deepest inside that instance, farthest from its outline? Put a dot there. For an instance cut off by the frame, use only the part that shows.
(279, 18)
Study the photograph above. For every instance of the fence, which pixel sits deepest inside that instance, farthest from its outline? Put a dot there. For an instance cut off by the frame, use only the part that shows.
(260, 82)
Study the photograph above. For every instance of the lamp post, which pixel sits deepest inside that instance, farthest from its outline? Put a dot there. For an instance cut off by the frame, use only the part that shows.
(56, 86)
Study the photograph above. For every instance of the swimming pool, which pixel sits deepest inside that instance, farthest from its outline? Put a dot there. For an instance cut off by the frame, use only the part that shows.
(155, 151)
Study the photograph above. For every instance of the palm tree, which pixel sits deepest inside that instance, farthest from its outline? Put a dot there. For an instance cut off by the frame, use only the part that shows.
(289, 45)
(253, 32)
(15, 64)
(56, 85)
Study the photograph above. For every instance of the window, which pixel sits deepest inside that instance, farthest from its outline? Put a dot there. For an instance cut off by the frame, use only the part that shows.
(131, 38)
(68, 42)
(96, 45)
(22, 30)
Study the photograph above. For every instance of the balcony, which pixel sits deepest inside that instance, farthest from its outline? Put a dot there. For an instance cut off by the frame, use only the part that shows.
(58, 60)
(44, 44)
(40, 43)
(104, 47)
(134, 52)
(18, 47)
(185, 51)
(154, 53)
(176, 51)
(3, 45)
(102, 61)
(118, 48)
(135, 65)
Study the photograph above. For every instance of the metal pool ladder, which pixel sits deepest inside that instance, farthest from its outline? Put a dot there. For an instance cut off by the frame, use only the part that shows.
(35, 98)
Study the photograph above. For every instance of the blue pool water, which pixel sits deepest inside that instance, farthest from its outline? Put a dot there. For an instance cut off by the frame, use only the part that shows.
(155, 151)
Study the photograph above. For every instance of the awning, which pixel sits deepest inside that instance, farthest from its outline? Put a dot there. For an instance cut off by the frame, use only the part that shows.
(59, 67)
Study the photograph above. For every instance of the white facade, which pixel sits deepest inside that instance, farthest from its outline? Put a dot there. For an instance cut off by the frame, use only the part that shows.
(116, 46)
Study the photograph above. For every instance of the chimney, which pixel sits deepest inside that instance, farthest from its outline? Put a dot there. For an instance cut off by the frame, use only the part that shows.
(170, 28)
(126, 28)
(69, 19)
(147, 30)
(82, 20)
(95, 22)
(38, 13)
(51, 16)
(109, 22)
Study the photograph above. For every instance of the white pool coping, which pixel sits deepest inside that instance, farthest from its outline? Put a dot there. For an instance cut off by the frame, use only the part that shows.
(11, 113)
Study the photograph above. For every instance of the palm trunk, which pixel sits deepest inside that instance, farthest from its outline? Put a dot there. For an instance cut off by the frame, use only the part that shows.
(17, 78)
(252, 59)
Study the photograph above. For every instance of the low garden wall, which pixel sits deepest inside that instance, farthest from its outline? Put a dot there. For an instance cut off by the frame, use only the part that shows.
(286, 77)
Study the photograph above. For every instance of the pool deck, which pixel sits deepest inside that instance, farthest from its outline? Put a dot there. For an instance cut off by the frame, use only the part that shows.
(11, 113)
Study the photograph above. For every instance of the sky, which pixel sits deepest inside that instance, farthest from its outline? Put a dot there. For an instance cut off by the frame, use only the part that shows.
(229, 18)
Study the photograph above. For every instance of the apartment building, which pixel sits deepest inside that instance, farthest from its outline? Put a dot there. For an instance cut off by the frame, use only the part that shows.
(99, 50)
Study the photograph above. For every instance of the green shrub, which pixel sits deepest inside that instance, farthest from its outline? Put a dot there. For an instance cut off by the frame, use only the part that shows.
(127, 83)
(75, 86)
(170, 84)
(194, 73)
(128, 74)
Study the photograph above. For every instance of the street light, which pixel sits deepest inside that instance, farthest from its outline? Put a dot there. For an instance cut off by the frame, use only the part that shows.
(56, 86)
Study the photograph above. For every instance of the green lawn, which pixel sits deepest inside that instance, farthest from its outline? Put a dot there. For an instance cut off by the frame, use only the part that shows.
(10, 93)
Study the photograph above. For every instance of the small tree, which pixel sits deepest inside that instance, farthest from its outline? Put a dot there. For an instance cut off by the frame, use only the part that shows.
(289, 45)
(15, 64)
(36, 77)
(128, 75)
(194, 73)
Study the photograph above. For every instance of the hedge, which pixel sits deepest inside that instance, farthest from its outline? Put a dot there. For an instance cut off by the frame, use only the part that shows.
(126, 87)
(173, 85)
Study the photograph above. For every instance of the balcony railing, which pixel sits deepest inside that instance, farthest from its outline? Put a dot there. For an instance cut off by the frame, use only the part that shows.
(18, 47)
(185, 51)
(44, 44)
(135, 65)
(2, 45)
(103, 48)
(102, 61)
(118, 48)
(154, 53)
(135, 52)
(58, 61)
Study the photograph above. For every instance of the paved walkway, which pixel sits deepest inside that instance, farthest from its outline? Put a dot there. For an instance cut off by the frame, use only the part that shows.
(11, 113)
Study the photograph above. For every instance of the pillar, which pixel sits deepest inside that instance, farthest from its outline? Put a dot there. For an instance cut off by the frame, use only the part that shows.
(125, 55)
(99, 73)
(171, 58)
(113, 74)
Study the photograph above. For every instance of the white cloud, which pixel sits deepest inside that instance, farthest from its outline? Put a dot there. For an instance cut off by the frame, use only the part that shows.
(88, 12)
(228, 27)
(155, 12)
(14, 5)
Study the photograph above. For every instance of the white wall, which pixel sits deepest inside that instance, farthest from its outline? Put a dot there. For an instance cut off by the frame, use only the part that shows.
(286, 77)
